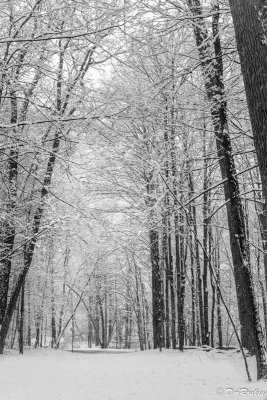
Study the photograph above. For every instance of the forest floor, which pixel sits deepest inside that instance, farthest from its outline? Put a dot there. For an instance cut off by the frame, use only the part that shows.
(47, 374)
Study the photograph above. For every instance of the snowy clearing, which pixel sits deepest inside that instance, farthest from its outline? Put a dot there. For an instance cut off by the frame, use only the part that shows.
(47, 374)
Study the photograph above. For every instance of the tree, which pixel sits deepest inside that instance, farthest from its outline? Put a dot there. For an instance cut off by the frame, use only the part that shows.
(59, 64)
(249, 18)
(214, 85)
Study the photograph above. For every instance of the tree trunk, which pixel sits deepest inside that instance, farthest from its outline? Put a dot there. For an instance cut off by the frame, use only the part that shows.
(138, 308)
(97, 331)
(157, 296)
(193, 293)
(15, 326)
(53, 311)
(249, 17)
(181, 293)
(206, 227)
(193, 214)
(167, 281)
(29, 332)
(218, 279)
(8, 228)
(21, 321)
(37, 328)
(61, 314)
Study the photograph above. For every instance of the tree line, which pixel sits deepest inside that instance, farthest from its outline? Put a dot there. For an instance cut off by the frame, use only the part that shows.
(133, 176)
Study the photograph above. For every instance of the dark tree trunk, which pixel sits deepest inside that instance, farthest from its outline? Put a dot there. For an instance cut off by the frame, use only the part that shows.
(103, 325)
(197, 258)
(144, 318)
(157, 284)
(167, 283)
(89, 333)
(213, 285)
(219, 313)
(170, 172)
(8, 228)
(15, 326)
(157, 295)
(61, 314)
(21, 321)
(128, 315)
(263, 291)
(97, 331)
(250, 19)
(212, 263)
(148, 334)
(193, 292)
(29, 332)
(206, 227)
(181, 293)
(172, 289)
(138, 308)
(53, 311)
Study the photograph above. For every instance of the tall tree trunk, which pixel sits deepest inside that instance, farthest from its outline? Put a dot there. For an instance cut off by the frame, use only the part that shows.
(167, 280)
(157, 292)
(193, 292)
(103, 325)
(213, 285)
(206, 227)
(181, 293)
(15, 326)
(21, 321)
(197, 258)
(144, 313)
(154, 243)
(128, 313)
(218, 279)
(53, 310)
(97, 331)
(138, 308)
(29, 331)
(61, 314)
(8, 228)
(250, 23)
(89, 333)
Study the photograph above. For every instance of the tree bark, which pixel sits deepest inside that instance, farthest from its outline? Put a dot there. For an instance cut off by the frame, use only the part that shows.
(21, 320)
(157, 296)
(249, 20)
(193, 214)
(206, 227)
(29, 331)
(53, 310)
(8, 228)
(219, 312)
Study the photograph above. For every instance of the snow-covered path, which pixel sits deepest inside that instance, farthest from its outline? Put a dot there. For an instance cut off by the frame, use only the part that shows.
(46, 374)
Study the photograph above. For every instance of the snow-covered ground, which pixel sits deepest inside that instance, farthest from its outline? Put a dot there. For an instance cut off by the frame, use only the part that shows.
(47, 374)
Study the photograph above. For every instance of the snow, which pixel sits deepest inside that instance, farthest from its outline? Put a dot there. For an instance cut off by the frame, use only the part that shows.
(47, 374)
